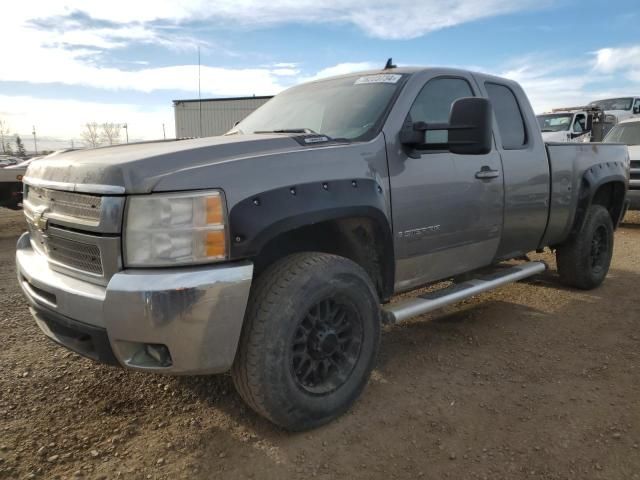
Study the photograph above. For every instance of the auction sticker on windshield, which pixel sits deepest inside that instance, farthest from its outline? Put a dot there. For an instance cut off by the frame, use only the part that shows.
(380, 78)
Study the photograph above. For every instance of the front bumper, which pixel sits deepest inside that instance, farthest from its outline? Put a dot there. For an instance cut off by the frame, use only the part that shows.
(634, 199)
(193, 314)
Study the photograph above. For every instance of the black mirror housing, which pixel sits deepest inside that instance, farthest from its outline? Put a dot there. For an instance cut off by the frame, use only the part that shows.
(470, 126)
(410, 134)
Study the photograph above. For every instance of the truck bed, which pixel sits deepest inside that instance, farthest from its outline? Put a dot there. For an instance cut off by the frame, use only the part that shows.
(571, 164)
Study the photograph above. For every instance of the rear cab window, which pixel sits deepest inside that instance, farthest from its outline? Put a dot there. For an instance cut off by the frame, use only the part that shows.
(510, 120)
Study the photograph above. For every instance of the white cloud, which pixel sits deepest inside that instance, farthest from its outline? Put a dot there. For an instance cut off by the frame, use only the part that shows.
(70, 70)
(64, 42)
(553, 82)
(378, 18)
(399, 19)
(625, 60)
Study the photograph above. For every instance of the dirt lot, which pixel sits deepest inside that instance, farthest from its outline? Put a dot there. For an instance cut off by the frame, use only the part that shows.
(531, 381)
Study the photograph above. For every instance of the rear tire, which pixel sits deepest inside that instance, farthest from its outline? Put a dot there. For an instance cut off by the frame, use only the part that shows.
(309, 340)
(584, 261)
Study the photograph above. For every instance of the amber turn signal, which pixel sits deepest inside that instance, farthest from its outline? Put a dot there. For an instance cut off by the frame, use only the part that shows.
(214, 210)
(215, 244)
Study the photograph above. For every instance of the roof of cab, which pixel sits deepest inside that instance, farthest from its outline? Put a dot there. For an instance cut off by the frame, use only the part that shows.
(412, 70)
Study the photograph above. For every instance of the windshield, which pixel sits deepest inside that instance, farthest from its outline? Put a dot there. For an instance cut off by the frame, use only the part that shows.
(627, 133)
(555, 122)
(349, 108)
(614, 103)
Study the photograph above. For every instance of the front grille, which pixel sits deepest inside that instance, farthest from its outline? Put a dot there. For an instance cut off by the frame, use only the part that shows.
(68, 204)
(79, 233)
(69, 253)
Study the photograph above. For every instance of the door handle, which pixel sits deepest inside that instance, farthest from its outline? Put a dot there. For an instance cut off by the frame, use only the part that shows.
(486, 172)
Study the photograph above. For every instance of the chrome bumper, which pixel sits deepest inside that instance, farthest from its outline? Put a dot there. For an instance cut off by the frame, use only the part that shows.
(634, 199)
(193, 314)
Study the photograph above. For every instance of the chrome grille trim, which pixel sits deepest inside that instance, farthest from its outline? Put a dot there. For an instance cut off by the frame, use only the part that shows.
(75, 187)
(81, 256)
(76, 251)
(78, 233)
(79, 211)
(66, 204)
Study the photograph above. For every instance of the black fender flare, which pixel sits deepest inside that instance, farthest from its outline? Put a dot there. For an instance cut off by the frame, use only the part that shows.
(593, 179)
(258, 219)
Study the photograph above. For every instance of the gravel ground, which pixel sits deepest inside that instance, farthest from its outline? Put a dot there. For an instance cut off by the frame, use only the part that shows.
(531, 381)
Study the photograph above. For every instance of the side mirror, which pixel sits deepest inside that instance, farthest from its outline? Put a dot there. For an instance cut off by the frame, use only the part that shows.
(469, 127)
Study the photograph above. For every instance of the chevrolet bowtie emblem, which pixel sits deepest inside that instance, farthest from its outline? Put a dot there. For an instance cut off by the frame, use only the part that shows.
(39, 220)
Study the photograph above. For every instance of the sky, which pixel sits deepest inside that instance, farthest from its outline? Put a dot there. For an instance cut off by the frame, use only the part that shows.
(66, 63)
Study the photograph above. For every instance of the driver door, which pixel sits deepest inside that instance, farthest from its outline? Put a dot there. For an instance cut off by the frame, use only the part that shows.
(447, 208)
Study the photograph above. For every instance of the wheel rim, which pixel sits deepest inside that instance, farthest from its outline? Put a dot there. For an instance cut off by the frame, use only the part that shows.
(326, 346)
(599, 249)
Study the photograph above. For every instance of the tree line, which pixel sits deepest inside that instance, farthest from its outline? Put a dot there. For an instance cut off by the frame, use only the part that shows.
(95, 134)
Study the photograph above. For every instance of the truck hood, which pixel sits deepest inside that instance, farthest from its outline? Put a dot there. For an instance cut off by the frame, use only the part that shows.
(137, 168)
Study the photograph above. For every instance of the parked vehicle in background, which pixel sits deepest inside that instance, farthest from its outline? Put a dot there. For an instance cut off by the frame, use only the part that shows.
(621, 108)
(274, 251)
(575, 124)
(7, 160)
(11, 184)
(628, 132)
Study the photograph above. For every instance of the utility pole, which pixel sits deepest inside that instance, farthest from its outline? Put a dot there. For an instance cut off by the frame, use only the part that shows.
(35, 143)
(199, 93)
(126, 129)
(164, 134)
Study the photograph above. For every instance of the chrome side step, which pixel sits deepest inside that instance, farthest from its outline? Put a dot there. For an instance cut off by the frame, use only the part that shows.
(428, 302)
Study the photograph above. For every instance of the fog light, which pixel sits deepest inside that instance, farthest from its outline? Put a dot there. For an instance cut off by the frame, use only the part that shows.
(159, 353)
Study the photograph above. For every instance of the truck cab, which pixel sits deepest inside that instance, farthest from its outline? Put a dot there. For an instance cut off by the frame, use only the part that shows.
(574, 124)
(619, 108)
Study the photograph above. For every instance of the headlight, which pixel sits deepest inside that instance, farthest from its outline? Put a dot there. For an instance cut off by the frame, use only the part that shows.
(175, 229)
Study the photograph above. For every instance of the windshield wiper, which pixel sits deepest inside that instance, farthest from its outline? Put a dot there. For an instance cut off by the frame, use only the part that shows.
(289, 130)
(307, 131)
(547, 130)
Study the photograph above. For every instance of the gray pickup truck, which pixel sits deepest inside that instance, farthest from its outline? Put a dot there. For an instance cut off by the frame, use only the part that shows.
(274, 251)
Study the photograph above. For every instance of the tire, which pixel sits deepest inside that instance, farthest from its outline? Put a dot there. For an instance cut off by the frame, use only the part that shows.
(584, 261)
(309, 340)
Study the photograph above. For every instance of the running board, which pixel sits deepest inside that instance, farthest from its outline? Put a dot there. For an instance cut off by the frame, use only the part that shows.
(428, 302)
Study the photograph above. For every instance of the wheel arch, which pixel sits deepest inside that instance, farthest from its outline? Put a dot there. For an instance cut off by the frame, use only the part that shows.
(603, 184)
(345, 217)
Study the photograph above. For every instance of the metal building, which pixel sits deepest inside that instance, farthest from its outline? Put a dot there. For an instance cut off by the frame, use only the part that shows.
(212, 116)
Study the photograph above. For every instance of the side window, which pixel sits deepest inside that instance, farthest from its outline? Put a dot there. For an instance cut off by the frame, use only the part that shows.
(508, 115)
(433, 104)
(580, 125)
(636, 106)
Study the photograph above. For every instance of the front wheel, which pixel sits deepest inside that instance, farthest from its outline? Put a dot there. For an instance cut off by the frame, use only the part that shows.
(309, 341)
(584, 261)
